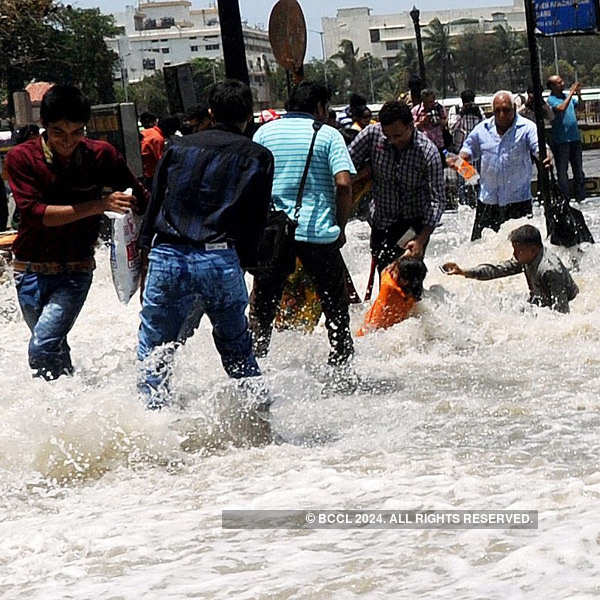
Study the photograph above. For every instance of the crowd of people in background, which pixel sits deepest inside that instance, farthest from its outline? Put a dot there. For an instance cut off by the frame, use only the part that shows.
(215, 176)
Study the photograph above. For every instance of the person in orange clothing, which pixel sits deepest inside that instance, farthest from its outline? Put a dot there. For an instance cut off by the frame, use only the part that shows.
(401, 288)
(153, 146)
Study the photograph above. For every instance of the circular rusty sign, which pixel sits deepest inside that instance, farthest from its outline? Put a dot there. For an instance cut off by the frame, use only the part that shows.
(287, 33)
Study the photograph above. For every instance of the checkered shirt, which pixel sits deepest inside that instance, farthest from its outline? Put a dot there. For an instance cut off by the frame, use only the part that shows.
(408, 183)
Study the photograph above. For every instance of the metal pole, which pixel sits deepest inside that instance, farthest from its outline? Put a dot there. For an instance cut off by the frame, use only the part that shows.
(414, 14)
(124, 77)
(371, 79)
(232, 37)
(543, 182)
(321, 33)
(555, 55)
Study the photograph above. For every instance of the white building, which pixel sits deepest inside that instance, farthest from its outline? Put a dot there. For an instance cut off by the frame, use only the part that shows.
(159, 33)
(383, 35)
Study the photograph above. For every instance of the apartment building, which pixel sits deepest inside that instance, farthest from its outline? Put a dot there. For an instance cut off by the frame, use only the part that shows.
(164, 32)
(382, 36)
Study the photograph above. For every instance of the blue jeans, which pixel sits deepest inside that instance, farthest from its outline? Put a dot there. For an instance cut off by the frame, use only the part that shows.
(50, 305)
(182, 284)
(570, 152)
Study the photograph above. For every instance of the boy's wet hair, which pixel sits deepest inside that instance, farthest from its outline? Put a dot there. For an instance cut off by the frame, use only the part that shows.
(147, 119)
(527, 235)
(413, 270)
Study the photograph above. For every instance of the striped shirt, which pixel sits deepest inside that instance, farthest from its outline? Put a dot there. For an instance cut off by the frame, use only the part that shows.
(407, 184)
(289, 140)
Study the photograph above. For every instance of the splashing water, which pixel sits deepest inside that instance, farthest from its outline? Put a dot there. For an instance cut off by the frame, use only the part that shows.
(480, 402)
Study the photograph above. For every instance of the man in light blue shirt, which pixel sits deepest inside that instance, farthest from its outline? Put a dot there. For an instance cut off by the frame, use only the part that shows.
(326, 206)
(566, 138)
(505, 144)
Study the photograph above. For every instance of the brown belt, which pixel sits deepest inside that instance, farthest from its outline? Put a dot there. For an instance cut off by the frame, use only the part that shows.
(54, 268)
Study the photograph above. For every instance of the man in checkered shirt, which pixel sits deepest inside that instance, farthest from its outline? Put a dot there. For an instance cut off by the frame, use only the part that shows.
(408, 183)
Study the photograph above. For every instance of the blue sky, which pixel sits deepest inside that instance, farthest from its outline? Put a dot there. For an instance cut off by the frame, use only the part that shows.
(257, 11)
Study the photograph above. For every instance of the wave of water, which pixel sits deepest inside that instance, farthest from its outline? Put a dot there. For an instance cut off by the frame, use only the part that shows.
(479, 402)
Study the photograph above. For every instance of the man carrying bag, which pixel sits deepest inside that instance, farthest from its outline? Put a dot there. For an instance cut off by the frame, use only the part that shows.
(314, 190)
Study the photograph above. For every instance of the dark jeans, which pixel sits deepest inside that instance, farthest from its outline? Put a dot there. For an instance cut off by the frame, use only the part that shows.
(324, 265)
(493, 216)
(50, 306)
(384, 242)
(182, 284)
(570, 152)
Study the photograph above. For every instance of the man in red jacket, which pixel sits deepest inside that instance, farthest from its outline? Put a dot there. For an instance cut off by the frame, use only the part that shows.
(58, 182)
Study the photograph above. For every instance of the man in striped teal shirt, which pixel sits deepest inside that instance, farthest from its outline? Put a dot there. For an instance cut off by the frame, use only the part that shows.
(326, 205)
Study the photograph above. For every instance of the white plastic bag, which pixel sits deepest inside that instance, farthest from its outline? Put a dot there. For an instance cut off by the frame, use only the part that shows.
(125, 257)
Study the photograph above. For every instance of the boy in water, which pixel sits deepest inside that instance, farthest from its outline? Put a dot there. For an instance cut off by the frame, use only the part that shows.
(401, 288)
(550, 284)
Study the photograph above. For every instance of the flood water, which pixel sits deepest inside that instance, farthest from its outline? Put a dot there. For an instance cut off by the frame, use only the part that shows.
(481, 402)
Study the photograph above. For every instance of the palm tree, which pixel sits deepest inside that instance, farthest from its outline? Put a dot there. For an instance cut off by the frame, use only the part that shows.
(512, 51)
(407, 58)
(348, 56)
(440, 50)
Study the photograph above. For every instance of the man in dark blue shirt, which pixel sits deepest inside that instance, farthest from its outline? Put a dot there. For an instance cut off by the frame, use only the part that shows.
(208, 210)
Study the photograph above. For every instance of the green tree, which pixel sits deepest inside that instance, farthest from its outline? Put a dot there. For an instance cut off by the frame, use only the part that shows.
(277, 80)
(327, 73)
(470, 48)
(348, 56)
(373, 76)
(25, 39)
(206, 72)
(43, 39)
(408, 58)
(83, 54)
(149, 94)
(513, 56)
(440, 52)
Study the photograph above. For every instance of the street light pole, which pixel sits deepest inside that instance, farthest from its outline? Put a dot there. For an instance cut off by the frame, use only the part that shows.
(555, 55)
(536, 79)
(324, 58)
(371, 79)
(321, 33)
(124, 78)
(414, 15)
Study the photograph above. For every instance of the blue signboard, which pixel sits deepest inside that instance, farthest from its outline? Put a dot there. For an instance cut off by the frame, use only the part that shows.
(556, 17)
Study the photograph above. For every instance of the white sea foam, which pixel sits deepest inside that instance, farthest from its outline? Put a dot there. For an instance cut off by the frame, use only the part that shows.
(480, 402)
